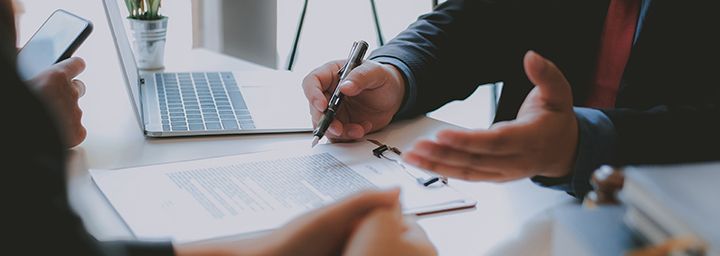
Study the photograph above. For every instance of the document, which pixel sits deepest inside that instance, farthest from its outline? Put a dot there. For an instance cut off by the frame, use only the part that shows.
(209, 198)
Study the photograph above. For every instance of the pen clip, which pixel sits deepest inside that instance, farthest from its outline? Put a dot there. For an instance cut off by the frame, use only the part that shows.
(355, 58)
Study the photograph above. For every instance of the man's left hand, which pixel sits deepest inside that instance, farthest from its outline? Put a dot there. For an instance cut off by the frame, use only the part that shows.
(542, 140)
(61, 91)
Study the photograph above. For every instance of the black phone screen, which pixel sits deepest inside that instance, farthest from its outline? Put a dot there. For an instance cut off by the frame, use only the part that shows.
(56, 40)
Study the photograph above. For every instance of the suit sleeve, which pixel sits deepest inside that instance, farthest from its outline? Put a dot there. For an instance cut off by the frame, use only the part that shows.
(666, 134)
(661, 135)
(452, 50)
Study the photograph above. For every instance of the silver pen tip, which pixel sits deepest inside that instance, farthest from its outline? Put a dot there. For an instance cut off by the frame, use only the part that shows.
(315, 141)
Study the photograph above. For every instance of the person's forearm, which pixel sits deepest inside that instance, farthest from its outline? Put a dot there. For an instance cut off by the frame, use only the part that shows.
(436, 50)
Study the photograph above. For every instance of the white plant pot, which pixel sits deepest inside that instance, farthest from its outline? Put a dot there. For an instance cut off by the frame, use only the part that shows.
(150, 37)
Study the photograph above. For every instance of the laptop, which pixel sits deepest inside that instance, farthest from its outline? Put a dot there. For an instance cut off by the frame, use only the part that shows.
(205, 103)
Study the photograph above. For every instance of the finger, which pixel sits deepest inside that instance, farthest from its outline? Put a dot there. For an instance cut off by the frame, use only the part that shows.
(339, 132)
(464, 173)
(316, 98)
(444, 154)
(76, 132)
(325, 77)
(319, 81)
(357, 206)
(416, 234)
(348, 132)
(450, 156)
(319, 102)
(79, 87)
(388, 220)
(554, 88)
(367, 126)
(314, 115)
(71, 67)
(368, 76)
(353, 131)
(77, 137)
(497, 141)
(389, 215)
(336, 129)
(331, 225)
(419, 241)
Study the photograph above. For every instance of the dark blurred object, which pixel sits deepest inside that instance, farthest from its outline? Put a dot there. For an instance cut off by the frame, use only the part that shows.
(606, 182)
(676, 246)
(7, 22)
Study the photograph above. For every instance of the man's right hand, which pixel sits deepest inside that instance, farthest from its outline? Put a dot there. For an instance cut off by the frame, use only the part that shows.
(373, 94)
(385, 232)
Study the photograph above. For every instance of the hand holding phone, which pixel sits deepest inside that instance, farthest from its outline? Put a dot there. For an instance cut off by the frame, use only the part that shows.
(56, 40)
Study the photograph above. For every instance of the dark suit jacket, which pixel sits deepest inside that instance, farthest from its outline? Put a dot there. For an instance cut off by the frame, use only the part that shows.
(36, 216)
(667, 108)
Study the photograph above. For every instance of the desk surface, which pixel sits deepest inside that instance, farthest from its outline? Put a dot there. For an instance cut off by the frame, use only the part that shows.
(115, 140)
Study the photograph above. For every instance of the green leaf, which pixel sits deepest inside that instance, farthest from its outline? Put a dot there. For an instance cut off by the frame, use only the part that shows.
(154, 9)
(129, 4)
(144, 9)
(134, 8)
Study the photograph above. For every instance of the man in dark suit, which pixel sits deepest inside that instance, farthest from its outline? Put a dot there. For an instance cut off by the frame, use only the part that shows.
(42, 118)
(633, 82)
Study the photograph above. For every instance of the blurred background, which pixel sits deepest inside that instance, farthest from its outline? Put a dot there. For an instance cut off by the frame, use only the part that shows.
(264, 32)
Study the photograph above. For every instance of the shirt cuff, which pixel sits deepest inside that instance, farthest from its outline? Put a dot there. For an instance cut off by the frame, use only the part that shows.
(410, 88)
(596, 143)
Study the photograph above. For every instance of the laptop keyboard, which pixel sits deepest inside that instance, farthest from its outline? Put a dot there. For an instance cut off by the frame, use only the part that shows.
(201, 102)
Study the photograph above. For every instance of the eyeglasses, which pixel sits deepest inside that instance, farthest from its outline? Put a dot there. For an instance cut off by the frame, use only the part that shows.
(393, 154)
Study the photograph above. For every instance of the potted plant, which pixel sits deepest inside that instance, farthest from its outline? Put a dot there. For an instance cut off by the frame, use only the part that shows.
(149, 28)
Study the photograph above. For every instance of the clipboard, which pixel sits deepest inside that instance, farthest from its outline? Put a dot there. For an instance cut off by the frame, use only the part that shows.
(227, 196)
(426, 179)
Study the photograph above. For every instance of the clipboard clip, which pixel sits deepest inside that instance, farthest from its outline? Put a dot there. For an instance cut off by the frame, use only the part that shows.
(382, 152)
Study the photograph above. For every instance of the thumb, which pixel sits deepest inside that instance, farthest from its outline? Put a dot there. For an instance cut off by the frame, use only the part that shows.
(360, 205)
(554, 89)
(367, 76)
(71, 67)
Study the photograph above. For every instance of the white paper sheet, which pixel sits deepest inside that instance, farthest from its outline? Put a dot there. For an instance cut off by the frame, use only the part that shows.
(203, 199)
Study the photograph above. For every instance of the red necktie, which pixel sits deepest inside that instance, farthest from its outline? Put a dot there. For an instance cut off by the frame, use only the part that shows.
(617, 40)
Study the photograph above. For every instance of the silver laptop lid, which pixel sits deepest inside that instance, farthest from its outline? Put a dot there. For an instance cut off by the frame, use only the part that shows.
(127, 59)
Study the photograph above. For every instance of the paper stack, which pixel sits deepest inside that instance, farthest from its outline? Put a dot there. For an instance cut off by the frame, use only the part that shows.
(674, 202)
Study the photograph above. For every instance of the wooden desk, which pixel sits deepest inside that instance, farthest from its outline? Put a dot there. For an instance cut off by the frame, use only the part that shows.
(115, 140)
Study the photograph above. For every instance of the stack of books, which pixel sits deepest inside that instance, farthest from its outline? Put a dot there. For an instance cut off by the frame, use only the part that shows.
(674, 202)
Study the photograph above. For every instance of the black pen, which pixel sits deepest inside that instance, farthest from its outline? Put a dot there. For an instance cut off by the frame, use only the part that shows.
(357, 53)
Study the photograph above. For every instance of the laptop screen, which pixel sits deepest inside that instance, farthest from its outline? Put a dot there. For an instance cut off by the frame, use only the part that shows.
(127, 59)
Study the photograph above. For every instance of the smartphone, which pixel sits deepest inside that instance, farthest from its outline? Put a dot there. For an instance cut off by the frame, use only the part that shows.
(56, 40)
